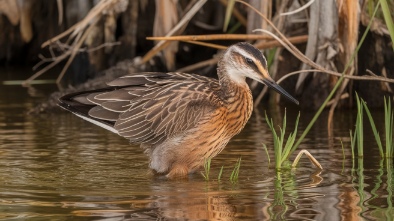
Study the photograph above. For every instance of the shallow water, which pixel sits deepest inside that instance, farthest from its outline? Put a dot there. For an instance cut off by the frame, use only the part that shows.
(59, 167)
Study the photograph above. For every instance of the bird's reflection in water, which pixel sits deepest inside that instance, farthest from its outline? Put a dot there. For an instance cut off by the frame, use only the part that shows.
(196, 207)
(191, 200)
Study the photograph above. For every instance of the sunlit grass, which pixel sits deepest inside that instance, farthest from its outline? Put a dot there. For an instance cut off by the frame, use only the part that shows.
(282, 149)
(234, 175)
(268, 155)
(373, 126)
(388, 119)
(220, 173)
(357, 138)
(207, 169)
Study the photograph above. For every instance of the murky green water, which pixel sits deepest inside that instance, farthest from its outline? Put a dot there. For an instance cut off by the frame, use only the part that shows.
(58, 167)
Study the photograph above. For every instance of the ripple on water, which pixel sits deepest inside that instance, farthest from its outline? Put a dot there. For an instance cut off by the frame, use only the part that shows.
(57, 166)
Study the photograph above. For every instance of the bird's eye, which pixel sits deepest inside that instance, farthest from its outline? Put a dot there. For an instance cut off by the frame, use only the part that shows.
(249, 61)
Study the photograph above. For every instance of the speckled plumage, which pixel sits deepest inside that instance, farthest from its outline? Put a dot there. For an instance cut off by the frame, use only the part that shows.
(179, 119)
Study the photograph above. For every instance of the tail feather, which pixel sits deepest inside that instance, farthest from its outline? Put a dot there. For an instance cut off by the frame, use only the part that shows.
(77, 104)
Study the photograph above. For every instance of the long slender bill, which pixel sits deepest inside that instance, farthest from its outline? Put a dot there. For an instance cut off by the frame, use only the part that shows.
(280, 90)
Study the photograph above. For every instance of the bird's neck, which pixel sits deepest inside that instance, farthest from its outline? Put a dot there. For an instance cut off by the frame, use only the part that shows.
(229, 79)
(238, 100)
(236, 93)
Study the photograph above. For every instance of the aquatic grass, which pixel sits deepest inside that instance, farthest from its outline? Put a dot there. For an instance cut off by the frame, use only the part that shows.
(389, 171)
(343, 150)
(278, 208)
(234, 175)
(282, 150)
(352, 143)
(361, 185)
(220, 173)
(359, 130)
(268, 155)
(388, 119)
(378, 184)
(207, 169)
(373, 126)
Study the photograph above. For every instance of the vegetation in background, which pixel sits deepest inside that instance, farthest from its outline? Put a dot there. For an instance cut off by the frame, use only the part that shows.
(358, 137)
(388, 19)
(339, 82)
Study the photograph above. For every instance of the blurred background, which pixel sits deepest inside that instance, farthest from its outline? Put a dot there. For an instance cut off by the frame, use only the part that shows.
(82, 39)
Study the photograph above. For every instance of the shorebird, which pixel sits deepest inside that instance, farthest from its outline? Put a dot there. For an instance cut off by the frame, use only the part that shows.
(179, 119)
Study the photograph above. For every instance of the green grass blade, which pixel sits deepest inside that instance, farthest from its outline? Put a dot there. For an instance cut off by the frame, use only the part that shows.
(373, 126)
(207, 168)
(276, 139)
(352, 142)
(386, 124)
(286, 150)
(220, 173)
(359, 127)
(388, 19)
(388, 118)
(266, 151)
(294, 147)
(235, 173)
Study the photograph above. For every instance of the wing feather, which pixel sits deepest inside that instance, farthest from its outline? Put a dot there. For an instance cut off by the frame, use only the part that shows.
(103, 114)
(148, 108)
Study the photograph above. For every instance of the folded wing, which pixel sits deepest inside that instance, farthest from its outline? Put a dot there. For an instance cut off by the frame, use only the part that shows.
(148, 107)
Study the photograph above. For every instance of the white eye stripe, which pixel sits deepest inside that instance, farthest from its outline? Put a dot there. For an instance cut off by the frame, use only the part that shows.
(246, 54)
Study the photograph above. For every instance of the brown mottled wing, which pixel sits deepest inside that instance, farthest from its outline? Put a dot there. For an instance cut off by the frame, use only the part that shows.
(150, 107)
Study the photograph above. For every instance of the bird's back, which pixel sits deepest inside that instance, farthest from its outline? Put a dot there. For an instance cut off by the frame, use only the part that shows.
(148, 108)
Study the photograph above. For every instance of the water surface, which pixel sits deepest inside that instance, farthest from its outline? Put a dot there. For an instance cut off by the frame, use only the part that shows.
(59, 167)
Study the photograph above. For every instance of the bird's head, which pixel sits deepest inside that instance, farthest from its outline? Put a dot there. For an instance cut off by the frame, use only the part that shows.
(243, 60)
